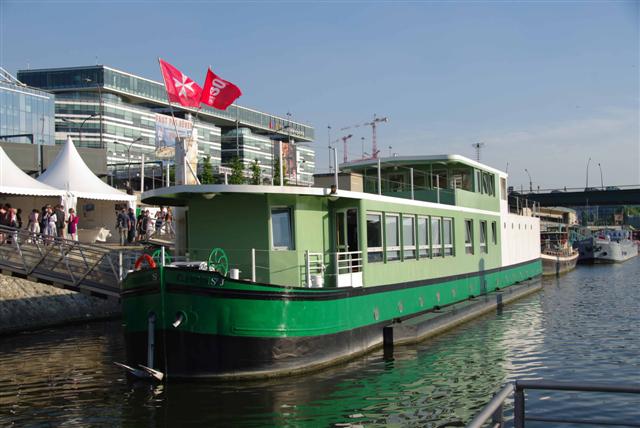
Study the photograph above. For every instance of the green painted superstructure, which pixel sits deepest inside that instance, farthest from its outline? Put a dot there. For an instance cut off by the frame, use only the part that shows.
(289, 315)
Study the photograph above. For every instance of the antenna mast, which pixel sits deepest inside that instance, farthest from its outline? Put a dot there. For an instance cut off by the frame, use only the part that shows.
(477, 146)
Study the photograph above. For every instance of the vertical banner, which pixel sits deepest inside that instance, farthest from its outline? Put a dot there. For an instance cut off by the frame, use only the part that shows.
(166, 136)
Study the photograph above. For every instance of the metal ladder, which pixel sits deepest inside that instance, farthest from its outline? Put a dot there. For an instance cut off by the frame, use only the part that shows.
(91, 269)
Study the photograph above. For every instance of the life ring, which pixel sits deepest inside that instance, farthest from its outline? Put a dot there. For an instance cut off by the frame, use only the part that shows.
(148, 259)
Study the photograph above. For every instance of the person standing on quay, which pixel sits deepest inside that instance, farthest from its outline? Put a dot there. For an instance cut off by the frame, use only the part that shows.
(72, 225)
(60, 221)
(33, 225)
(131, 234)
(122, 223)
(52, 221)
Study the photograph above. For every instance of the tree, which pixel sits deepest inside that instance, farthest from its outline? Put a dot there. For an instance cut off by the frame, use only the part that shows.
(276, 173)
(256, 173)
(207, 171)
(237, 172)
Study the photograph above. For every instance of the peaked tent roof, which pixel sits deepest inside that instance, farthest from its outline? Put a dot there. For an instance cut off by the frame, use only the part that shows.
(16, 182)
(68, 172)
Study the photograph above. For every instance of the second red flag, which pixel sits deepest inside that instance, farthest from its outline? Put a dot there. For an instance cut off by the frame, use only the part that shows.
(217, 92)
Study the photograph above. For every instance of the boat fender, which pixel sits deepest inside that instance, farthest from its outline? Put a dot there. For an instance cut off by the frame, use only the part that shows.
(148, 259)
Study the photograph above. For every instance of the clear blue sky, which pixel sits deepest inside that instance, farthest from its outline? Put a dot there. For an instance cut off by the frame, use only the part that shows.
(545, 85)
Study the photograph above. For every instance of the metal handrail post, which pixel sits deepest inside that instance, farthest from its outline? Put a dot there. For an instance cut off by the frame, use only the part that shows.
(411, 176)
(253, 264)
(518, 407)
(307, 268)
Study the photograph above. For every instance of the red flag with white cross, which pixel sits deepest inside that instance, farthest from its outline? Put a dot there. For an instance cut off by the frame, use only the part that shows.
(180, 88)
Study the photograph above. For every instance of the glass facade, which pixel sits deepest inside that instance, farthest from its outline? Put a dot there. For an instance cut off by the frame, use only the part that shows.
(25, 110)
(102, 107)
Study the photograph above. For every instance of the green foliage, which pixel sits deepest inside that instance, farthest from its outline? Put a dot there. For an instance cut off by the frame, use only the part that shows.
(237, 172)
(256, 173)
(207, 171)
(276, 173)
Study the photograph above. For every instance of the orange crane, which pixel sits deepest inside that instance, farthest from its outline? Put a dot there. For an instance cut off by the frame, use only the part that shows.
(372, 124)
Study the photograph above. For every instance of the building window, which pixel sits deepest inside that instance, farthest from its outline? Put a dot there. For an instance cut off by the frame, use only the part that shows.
(423, 237)
(392, 236)
(281, 229)
(494, 233)
(374, 237)
(436, 236)
(408, 237)
(447, 236)
(468, 236)
(483, 237)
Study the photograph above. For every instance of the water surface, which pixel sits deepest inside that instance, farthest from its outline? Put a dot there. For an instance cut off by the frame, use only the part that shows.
(581, 327)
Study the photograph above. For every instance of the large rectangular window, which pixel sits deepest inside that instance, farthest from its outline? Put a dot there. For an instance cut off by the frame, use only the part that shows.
(281, 229)
(423, 237)
(483, 236)
(374, 237)
(447, 236)
(468, 236)
(392, 236)
(408, 237)
(436, 236)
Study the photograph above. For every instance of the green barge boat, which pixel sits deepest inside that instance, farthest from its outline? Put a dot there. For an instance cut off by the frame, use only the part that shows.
(287, 279)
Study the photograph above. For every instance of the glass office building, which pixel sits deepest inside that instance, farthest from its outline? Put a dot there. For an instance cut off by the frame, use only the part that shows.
(103, 107)
(26, 114)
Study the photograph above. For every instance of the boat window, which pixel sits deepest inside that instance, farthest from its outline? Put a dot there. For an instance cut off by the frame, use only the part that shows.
(468, 236)
(392, 236)
(374, 237)
(483, 236)
(494, 233)
(447, 236)
(461, 179)
(281, 229)
(408, 237)
(503, 188)
(440, 179)
(436, 236)
(423, 237)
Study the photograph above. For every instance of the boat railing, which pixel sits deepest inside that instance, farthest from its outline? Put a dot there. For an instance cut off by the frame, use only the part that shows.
(494, 410)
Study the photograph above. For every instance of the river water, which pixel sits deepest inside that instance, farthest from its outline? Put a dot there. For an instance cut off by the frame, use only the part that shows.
(584, 326)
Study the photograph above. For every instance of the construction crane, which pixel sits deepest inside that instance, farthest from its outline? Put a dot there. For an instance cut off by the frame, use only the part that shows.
(372, 124)
(344, 142)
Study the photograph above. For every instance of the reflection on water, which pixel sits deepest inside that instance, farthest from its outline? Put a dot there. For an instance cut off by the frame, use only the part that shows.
(583, 326)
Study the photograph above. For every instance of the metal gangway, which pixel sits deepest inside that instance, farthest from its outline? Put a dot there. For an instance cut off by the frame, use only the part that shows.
(492, 414)
(91, 269)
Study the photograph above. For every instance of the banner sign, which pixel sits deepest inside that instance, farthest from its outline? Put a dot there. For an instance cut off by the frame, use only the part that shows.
(166, 134)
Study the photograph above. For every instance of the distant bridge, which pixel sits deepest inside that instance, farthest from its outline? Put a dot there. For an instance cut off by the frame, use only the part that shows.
(612, 195)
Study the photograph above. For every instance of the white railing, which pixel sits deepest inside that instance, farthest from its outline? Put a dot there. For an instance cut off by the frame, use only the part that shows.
(314, 269)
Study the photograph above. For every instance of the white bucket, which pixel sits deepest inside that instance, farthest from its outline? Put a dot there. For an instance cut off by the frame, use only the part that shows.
(317, 281)
(234, 273)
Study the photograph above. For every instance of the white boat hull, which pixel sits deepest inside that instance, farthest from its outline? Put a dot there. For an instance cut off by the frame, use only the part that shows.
(607, 251)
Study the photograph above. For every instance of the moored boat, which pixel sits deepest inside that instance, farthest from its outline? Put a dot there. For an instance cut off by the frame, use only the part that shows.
(556, 251)
(614, 245)
(304, 277)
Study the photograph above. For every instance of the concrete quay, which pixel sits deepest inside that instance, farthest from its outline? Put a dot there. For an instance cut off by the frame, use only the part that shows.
(27, 305)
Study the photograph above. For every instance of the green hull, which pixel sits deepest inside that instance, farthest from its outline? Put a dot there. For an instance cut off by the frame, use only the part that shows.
(235, 328)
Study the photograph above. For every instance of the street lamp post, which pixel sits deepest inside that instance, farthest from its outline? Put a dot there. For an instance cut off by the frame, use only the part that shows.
(64, 119)
(587, 185)
(88, 80)
(129, 157)
(601, 181)
(530, 183)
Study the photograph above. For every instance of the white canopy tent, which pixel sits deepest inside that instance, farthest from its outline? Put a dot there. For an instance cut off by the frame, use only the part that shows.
(14, 181)
(69, 173)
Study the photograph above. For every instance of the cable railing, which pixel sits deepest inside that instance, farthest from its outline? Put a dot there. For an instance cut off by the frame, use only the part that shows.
(493, 413)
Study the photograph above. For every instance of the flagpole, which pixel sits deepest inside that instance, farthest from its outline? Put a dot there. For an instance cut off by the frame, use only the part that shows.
(168, 100)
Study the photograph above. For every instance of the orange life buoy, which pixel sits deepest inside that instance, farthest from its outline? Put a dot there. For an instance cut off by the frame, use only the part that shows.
(148, 259)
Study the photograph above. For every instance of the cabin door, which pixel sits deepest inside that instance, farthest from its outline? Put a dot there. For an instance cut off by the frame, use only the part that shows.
(348, 258)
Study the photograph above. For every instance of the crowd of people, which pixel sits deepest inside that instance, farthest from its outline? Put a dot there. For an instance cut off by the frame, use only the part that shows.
(49, 221)
(132, 229)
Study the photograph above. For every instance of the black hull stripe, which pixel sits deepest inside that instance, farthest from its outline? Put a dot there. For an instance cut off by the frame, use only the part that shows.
(321, 294)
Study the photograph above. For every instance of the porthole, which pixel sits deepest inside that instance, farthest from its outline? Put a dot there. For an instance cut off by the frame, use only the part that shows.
(376, 314)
